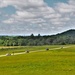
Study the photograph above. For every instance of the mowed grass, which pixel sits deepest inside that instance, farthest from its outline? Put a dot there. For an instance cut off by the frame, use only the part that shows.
(18, 49)
(53, 62)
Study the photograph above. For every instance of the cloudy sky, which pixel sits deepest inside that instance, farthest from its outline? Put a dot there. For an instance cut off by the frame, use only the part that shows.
(45, 17)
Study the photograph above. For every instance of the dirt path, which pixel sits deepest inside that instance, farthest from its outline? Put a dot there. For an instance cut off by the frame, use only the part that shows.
(36, 51)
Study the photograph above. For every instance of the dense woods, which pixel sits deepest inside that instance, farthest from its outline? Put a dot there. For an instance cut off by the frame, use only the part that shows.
(67, 37)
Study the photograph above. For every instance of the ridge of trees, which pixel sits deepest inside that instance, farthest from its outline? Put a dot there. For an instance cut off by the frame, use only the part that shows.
(67, 37)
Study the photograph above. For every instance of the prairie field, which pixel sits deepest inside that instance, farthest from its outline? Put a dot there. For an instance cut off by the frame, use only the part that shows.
(55, 61)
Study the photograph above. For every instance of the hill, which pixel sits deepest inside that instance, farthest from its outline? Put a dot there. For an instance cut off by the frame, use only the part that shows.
(68, 33)
(67, 37)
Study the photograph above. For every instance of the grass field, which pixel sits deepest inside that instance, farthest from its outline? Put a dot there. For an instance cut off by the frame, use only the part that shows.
(17, 49)
(52, 62)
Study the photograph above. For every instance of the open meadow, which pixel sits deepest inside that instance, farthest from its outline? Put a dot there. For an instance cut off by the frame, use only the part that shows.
(58, 60)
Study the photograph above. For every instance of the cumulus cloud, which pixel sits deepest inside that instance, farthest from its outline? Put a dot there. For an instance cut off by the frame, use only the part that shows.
(29, 9)
(38, 13)
(65, 8)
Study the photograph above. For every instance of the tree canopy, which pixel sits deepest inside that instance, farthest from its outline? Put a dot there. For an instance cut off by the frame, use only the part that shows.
(67, 37)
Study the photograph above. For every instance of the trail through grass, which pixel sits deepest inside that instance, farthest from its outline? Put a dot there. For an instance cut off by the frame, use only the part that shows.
(53, 62)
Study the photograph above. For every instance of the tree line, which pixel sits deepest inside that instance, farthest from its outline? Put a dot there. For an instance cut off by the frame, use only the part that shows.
(59, 39)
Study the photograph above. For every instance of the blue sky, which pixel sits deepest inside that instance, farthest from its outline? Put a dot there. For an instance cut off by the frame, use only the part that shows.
(52, 2)
(45, 17)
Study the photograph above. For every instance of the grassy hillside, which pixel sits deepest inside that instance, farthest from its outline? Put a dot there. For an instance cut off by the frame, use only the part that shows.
(54, 62)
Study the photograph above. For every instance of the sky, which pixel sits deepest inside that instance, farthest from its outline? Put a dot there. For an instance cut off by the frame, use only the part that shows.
(45, 17)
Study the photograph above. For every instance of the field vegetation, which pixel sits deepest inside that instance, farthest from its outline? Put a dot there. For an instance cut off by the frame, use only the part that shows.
(52, 62)
(17, 49)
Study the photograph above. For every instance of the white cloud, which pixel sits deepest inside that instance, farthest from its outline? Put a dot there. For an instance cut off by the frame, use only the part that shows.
(29, 9)
(9, 21)
(66, 7)
(37, 12)
(24, 14)
(21, 3)
(72, 2)
(53, 15)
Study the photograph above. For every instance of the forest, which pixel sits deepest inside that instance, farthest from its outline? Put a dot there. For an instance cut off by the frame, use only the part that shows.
(67, 37)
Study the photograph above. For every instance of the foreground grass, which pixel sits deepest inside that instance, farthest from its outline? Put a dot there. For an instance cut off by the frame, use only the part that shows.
(55, 62)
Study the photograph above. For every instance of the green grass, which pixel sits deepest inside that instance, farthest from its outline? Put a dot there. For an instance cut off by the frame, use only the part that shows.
(17, 49)
(54, 62)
